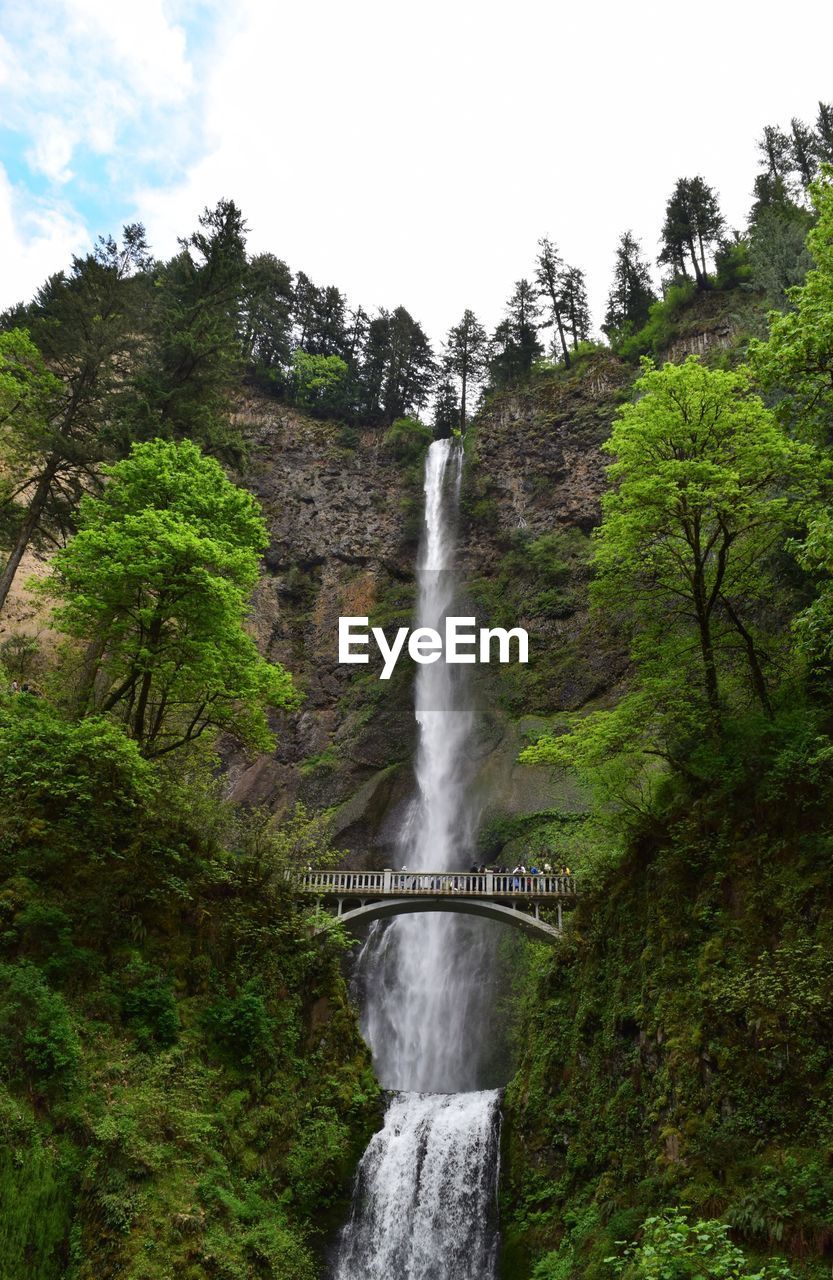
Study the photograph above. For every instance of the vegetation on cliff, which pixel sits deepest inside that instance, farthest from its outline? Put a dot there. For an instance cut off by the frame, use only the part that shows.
(184, 1089)
(677, 1048)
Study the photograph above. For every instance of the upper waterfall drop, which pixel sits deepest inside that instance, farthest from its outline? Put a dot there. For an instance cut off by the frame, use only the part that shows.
(431, 975)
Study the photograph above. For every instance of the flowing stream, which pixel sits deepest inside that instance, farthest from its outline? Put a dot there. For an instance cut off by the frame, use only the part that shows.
(425, 1192)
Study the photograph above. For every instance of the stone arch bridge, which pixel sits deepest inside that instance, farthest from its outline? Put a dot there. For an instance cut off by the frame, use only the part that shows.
(359, 897)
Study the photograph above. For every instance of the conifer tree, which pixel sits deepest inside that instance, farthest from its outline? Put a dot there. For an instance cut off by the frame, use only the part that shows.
(195, 350)
(466, 352)
(84, 325)
(803, 143)
(549, 277)
(824, 132)
(631, 293)
(267, 313)
(575, 304)
(446, 407)
(514, 345)
(693, 223)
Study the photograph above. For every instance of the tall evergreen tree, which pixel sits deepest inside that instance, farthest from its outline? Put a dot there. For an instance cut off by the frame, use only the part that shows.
(446, 406)
(466, 355)
(803, 147)
(576, 306)
(86, 326)
(776, 151)
(631, 293)
(411, 370)
(693, 223)
(267, 313)
(515, 345)
(397, 368)
(549, 277)
(824, 132)
(195, 351)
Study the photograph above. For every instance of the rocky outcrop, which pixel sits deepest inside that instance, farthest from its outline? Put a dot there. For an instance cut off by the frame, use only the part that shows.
(344, 518)
(341, 518)
(534, 478)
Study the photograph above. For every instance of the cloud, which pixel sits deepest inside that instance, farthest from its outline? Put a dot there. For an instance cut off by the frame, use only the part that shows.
(95, 96)
(51, 152)
(36, 239)
(81, 73)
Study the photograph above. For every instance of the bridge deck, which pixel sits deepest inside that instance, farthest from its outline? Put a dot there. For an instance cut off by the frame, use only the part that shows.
(434, 884)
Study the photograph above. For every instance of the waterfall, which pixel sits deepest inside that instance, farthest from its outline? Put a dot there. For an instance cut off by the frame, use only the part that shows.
(423, 1205)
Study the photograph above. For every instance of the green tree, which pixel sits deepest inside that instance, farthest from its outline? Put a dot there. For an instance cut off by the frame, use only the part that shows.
(576, 305)
(156, 585)
(465, 357)
(85, 326)
(704, 491)
(320, 383)
(631, 294)
(797, 360)
(549, 277)
(446, 407)
(397, 369)
(778, 253)
(267, 314)
(29, 398)
(776, 151)
(700, 500)
(803, 146)
(824, 132)
(693, 224)
(194, 352)
(514, 345)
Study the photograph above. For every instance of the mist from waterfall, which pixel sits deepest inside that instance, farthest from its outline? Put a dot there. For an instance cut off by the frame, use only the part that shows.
(424, 1200)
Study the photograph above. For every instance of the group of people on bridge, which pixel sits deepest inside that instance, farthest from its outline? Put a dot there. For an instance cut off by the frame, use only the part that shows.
(518, 879)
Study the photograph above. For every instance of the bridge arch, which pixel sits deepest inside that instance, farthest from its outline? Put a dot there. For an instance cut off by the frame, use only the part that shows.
(385, 908)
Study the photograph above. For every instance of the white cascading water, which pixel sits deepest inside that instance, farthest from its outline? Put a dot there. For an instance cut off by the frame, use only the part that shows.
(425, 1192)
(424, 1200)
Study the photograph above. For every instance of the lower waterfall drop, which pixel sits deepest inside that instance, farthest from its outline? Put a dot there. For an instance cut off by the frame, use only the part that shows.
(424, 1201)
(426, 1190)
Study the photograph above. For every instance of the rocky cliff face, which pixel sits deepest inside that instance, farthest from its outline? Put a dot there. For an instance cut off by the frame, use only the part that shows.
(344, 518)
(534, 481)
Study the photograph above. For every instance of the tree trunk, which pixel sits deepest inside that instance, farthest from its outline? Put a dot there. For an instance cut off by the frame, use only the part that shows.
(697, 272)
(89, 671)
(27, 529)
(154, 636)
(463, 380)
(702, 612)
(558, 321)
(756, 674)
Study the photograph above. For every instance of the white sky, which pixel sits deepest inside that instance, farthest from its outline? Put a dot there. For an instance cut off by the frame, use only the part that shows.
(408, 153)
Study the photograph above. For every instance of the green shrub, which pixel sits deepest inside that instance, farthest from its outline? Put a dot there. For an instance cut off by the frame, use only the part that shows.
(38, 1044)
(149, 1009)
(242, 1025)
(671, 1248)
(408, 439)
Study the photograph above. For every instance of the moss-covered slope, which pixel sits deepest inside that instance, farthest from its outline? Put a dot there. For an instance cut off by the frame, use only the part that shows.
(677, 1047)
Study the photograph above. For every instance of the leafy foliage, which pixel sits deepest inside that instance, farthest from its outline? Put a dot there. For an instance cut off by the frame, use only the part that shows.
(156, 583)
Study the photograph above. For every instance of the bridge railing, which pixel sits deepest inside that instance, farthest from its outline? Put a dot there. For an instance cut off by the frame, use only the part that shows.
(471, 884)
